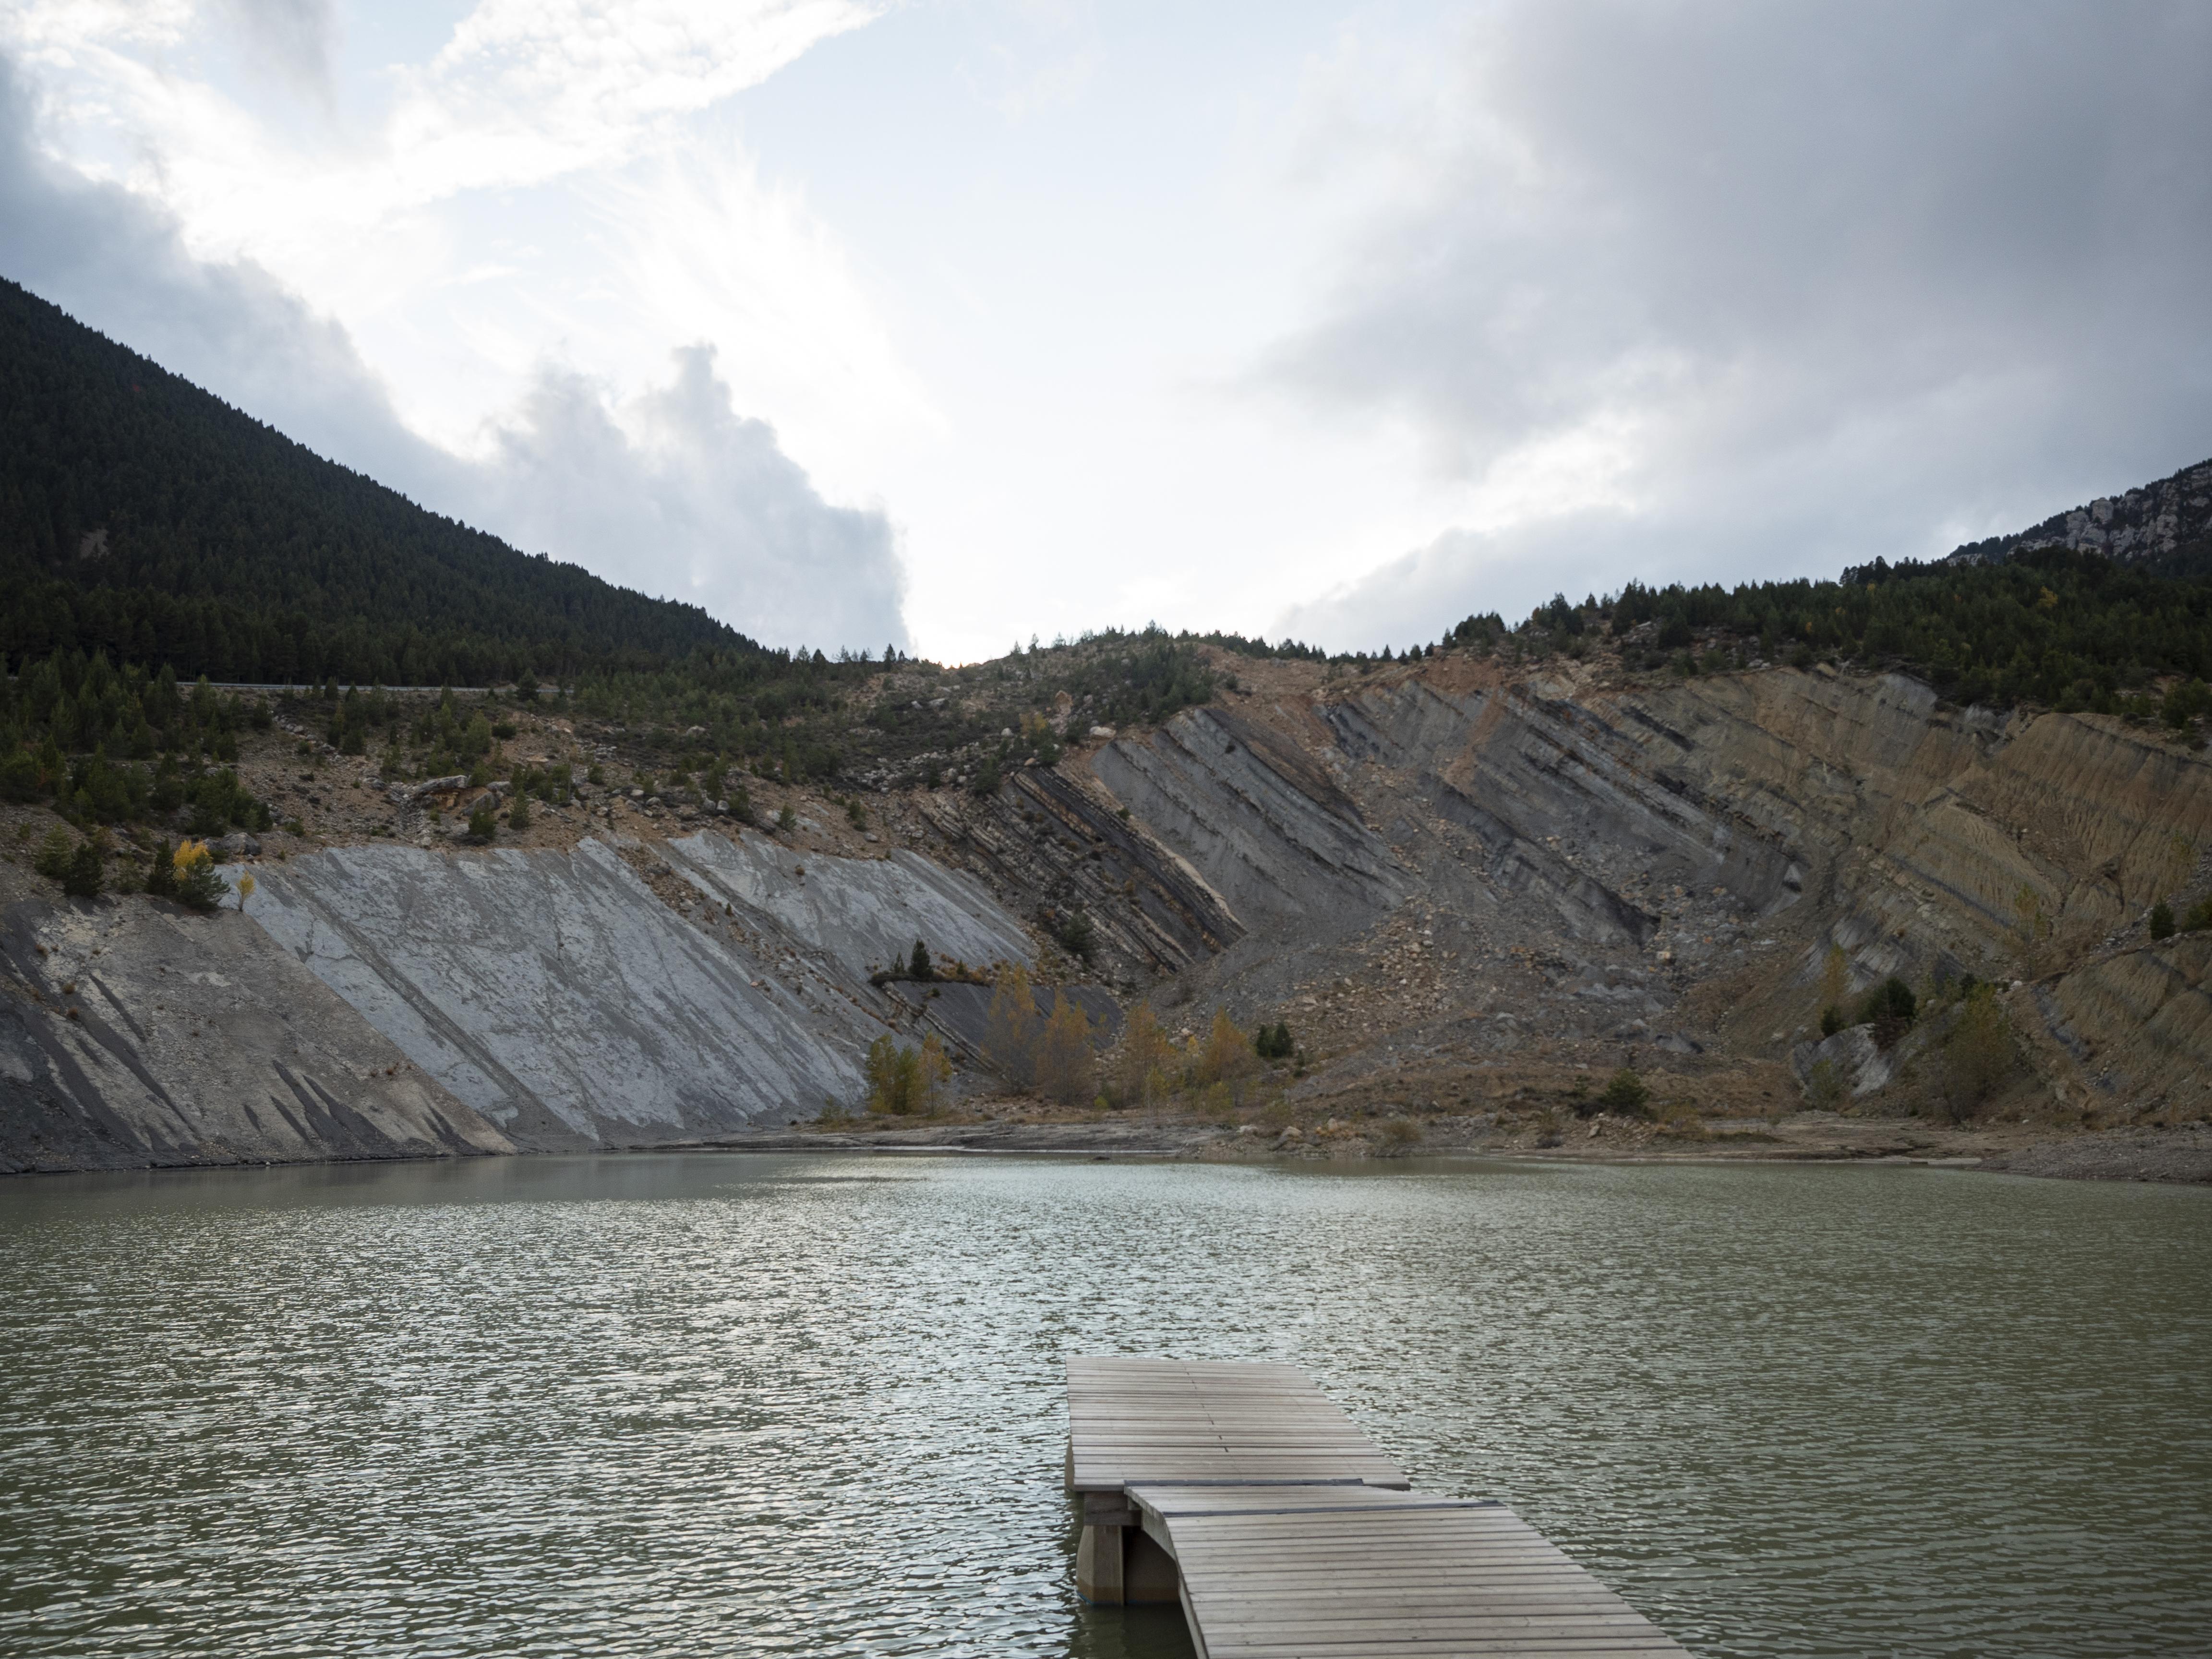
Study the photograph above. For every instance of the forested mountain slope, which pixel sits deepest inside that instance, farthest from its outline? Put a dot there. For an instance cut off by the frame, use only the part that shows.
(143, 517)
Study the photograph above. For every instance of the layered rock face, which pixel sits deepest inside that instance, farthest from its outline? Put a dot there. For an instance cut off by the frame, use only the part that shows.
(140, 1034)
(569, 1003)
(1549, 861)
(391, 1001)
(1433, 873)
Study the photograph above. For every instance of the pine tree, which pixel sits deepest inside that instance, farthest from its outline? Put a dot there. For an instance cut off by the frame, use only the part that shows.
(82, 877)
(918, 966)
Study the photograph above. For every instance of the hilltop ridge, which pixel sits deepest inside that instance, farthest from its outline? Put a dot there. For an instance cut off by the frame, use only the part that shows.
(2166, 524)
(142, 516)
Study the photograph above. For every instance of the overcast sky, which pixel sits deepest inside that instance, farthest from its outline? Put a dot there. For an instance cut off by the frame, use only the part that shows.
(953, 322)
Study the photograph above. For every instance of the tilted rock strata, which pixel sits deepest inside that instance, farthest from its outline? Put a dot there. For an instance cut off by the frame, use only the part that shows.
(141, 1035)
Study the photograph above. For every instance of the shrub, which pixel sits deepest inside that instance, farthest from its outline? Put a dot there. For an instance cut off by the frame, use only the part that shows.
(1140, 1063)
(1401, 1132)
(1273, 1041)
(1824, 1086)
(1889, 1008)
(903, 1080)
(786, 820)
(518, 815)
(2199, 916)
(1832, 1020)
(918, 965)
(1625, 1092)
(161, 873)
(484, 824)
(1074, 933)
(2161, 921)
(198, 883)
(1226, 1056)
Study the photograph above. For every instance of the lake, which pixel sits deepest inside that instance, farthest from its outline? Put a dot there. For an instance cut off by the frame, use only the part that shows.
(753, 1405)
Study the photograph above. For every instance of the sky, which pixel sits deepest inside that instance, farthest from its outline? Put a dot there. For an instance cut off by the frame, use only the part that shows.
(952, 323)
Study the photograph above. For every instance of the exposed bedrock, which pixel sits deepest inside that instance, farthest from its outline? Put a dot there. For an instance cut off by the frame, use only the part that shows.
(1449, 859)
(1688, 853)
(567, 1002)
(1261, 820)
(139, 1035)
(1053, 845)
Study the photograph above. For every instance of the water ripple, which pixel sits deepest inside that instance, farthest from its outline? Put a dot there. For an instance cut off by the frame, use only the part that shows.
(763, 1406)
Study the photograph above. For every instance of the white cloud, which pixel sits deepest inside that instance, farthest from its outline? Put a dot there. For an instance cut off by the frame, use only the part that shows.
(699, 504)
(1774, 289)
(670, 491)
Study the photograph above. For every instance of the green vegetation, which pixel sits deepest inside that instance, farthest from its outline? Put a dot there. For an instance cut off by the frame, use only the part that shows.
(1978, 1055)
(2070, 630)
(904, 1081)
(141, 516)
(2161, 921)
(1273, 1041)
(197, 883)
(104, 745)
(1625, 1091)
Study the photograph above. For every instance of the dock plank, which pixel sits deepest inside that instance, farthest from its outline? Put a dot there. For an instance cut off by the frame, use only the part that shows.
(1293, 1534)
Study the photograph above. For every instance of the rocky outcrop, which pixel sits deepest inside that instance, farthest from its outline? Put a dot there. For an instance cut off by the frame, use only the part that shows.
(568, 1002)
(1053, 845)
(1456, 859)
(2131, 528)
(140, 1035)
(1502, 879)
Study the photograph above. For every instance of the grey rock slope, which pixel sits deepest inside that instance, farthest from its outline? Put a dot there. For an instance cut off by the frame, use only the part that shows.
(559, 996)
(856, 915)
(137, 1034)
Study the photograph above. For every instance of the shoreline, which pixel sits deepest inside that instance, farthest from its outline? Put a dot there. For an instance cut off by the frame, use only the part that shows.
(2179, 1155)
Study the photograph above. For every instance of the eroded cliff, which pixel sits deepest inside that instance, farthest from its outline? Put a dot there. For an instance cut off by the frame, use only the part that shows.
(1465, 888)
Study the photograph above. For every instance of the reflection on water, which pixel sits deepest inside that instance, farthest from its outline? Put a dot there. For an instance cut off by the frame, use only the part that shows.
(720, 1405)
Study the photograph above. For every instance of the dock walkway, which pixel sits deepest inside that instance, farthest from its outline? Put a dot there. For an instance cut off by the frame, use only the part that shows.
(1245, 1493)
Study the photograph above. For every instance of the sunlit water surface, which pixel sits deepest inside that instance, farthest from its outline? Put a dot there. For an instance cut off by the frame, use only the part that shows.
(716, 1405)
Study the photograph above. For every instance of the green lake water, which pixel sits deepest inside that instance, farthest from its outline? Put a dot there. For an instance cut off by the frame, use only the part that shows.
(736, 1405)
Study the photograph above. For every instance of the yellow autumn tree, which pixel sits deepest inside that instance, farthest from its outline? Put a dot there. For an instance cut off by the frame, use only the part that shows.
(904, 1080)
(1226, 1054)
(198, 883)
(1835, 977)
(933, 1074)
(1009, 1041)
(1140, 1064)
(1065, 1067)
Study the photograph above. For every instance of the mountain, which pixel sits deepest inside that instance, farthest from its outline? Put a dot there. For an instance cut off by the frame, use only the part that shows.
(143, 517)
(2167, 525)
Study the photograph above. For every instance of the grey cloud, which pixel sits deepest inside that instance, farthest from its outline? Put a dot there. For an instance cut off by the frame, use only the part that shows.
(1859, 279)
(706, 508)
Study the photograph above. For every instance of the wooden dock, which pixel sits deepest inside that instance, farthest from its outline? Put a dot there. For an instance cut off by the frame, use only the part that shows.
(1244, 1492)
